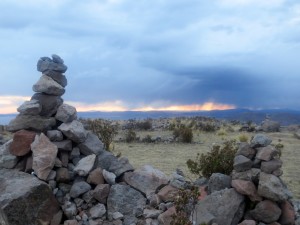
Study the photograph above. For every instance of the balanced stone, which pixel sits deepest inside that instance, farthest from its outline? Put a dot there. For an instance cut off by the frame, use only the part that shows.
(45, 63)
(31, 107)
(49, 103)
(48, 86)
(260, 140)
(66, 113)
(57, 76)
(74, 131)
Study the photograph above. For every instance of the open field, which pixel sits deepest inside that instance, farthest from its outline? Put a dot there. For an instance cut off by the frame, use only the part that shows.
(169, 156)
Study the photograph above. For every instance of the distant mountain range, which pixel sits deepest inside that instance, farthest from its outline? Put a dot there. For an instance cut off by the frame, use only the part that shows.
(283, 116)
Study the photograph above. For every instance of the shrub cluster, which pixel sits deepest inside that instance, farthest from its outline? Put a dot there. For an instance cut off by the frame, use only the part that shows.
(184, 134)
(218, 160)
(104, 129)
(130, 136)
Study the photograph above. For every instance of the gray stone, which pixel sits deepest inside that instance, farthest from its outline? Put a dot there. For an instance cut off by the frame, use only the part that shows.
(57, 59)
(85, 165)
(109, 177)
(267, 153)
(246, 150)
(271, 187)
(271, 166)
(55, 135)
(242, 163)
(226, 206)
(270, 126)
(65, 145)
(57, 76)
(75, 153)
(31, 107)
(91, 145)
(127, 201)
(49, 103)
(45, 63)
(218, 181)
(7, 160)
(62, 175)
(248, 188)
(24, 199)
(79, 188)
(260, 140)
(48, 86)
(74, 131)
(69, 209)
(117, 216)
(97, 211)
(26, 122)
(266, 211)
(100, 193)
(44, 155)
(250, 175)
(151, 213)
(66, 113)
(146, 179)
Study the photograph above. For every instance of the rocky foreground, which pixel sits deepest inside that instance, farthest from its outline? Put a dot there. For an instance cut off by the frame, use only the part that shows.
(55, 172)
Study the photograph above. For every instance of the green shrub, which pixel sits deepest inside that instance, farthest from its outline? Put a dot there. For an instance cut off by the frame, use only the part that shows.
(104, 129)
(144, 125)
(243, 138)
(147, 139)
(218, 160)
(185, 204)
(130, 136)
(184, 134)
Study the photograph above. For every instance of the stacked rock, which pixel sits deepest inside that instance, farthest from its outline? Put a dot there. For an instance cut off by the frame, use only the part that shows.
(257, 171)
(90, 184)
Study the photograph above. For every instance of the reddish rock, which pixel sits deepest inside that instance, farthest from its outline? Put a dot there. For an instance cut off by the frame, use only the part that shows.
(248, 222)
(168, 193)
(101, 192)
(266, 211)
(203, 193)
(166, 217)
(62, 175)
(21, 142)
(288, 214)
(246, 188)
(267, 153)
(96, 177)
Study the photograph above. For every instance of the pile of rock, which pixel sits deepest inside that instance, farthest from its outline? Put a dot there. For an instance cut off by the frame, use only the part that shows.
(91, 186)
(55, 172)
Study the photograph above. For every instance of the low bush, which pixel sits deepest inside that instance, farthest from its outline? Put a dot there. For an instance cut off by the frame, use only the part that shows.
(184, 134)
(144, 125)
(130, 136)
(218, 160)
(243, 138)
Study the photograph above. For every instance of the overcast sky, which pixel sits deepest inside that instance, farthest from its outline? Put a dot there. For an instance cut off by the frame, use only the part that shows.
(158, 54)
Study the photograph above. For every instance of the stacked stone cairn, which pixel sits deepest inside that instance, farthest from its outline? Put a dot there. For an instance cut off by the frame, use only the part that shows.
(54, 171)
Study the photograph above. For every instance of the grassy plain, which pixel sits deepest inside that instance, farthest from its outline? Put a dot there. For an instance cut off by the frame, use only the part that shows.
(169, 156)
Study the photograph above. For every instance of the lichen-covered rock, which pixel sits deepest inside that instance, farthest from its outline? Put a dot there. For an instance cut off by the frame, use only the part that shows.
(32, 107)
(218, 181)
(24, 199)
(260, 140)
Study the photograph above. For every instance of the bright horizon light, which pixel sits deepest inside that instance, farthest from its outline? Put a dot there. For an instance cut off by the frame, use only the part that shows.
(9, 104)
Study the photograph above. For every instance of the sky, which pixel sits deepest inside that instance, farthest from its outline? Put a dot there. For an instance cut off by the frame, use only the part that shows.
(155, 55)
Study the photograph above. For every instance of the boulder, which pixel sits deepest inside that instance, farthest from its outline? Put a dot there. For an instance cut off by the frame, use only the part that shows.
(146, 179)
(44, 154)
(7, 160)
(127, 201)
(49, 103)
(24, 199)
(100, 193)
(74, 131)
(58, 77)
(250, 175)
(218, 181)
(168, 193)
(166, 217)
(91, 145)
(260, 140)
(21, 142)
(266, 212)
(65, 145)
(267, 153)
(66, 113)
(97, 211)
(48, 86)
(271, 166)
(45, 64)
(109, 177)
(224, 207)
(96, 177)
(271, 187)
(287, 213)
(31, 107)
(242, 163)
(246, 188)
(270, 126)
(85, 165)
(246, 150)
(79, 188)
(55, 135)
(26, 122)
(111, 163)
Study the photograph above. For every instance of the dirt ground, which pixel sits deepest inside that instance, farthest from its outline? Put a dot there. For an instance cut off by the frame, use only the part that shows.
(169, 156)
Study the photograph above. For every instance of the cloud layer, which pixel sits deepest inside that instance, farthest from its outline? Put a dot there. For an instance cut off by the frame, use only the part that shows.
(138, 54)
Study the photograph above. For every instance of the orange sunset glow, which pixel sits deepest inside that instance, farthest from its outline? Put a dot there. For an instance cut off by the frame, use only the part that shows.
(9, 104)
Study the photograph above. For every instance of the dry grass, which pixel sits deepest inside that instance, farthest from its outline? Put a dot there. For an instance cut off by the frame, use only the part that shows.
(168, 157)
